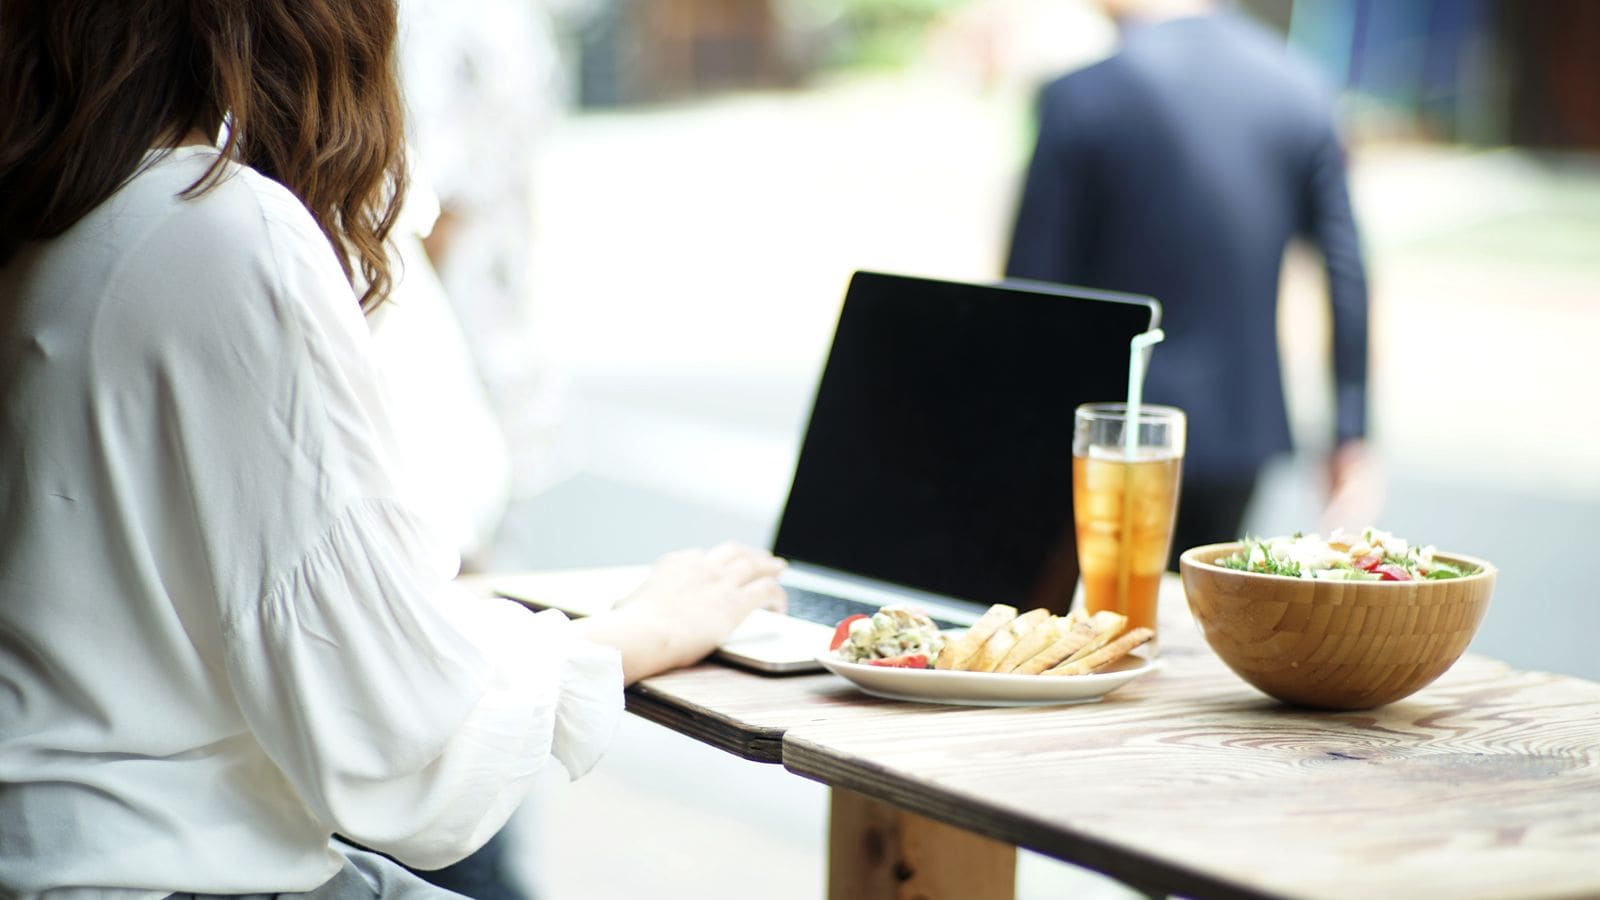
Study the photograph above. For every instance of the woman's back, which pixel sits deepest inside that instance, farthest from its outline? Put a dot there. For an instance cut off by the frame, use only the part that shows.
(115, 386)
(222, 637)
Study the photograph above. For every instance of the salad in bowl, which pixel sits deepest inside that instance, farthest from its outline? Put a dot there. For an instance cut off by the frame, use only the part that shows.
(1371, 555)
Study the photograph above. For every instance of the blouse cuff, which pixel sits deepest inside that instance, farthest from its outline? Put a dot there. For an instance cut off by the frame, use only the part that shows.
(542, 653)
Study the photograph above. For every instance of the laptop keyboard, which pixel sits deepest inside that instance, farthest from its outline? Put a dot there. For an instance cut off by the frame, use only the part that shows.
(826, 609)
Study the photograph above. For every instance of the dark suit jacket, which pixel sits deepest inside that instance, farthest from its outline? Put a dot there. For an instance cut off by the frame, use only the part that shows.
(1180, 168)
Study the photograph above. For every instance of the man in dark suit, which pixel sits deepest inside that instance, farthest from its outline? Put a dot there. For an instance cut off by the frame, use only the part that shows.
(1180, 168)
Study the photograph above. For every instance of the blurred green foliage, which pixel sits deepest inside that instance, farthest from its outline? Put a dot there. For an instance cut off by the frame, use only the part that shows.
(878, 33)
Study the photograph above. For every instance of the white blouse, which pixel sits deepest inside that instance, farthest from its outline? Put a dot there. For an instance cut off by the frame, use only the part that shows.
(221, 637)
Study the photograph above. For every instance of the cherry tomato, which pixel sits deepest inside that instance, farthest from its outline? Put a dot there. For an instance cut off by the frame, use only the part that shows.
(904, 661)
(842, 633)
(1368, 562)
(1392, 572)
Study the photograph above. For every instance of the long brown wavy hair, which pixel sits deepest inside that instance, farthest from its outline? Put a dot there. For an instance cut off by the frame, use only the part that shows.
(304, 91)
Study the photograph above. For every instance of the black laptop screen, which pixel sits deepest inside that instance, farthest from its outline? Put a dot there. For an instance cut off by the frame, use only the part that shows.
(939, 451)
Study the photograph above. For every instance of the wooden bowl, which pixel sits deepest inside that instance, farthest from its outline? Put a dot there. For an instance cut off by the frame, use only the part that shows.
(1334, 644)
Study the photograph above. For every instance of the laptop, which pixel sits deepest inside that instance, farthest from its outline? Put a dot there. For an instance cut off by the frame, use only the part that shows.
(936, 465)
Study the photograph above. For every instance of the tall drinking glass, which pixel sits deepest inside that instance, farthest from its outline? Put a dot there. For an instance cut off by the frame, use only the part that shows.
(1124, 499)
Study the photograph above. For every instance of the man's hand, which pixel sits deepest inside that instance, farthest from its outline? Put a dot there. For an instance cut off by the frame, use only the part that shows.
(1356, 488)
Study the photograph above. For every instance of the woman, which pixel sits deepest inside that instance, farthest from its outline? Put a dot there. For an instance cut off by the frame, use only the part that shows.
(222, 639)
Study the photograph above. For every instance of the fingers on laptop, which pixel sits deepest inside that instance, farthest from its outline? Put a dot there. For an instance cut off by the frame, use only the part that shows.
(769, 566)
(766, 593)
(757, 574)
(725, 552)
(728, 551)
(744, 563)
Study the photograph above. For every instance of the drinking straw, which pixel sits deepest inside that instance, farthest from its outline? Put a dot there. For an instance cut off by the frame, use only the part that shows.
(1138, 361)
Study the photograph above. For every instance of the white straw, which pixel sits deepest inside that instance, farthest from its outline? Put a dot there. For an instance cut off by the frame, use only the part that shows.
(1138, 361)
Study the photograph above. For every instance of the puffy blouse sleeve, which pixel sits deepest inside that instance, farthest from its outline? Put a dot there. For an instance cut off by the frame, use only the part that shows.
(408, 715)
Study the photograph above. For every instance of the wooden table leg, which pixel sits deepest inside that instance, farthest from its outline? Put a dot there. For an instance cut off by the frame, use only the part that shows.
(878, 852)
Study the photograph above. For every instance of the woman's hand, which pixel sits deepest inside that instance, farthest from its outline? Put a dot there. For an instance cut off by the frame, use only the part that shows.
(715, 589)
(687, 605)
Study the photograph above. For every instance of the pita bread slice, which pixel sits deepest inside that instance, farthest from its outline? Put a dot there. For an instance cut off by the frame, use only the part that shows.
(958, 651)
(1001, 642)
(1106, 655)
(1107, 625)
(1072, 633)
(1040, 636)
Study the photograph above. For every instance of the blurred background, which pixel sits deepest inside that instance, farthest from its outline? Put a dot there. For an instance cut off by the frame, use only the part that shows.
(703, 176)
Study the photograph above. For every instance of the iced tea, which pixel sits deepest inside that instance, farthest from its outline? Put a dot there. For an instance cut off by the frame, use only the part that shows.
(1124, 508)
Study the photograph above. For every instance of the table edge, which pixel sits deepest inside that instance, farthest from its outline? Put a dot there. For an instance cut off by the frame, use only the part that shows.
(762, 744)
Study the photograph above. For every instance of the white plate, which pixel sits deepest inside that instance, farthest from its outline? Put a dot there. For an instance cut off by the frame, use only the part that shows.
(987, 688)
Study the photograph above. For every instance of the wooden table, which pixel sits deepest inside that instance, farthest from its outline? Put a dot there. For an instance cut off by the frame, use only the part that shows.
(1187, 781)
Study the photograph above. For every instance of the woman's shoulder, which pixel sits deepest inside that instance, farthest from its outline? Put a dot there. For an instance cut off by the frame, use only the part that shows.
(241, 235)
(236, 214)
(238, 267)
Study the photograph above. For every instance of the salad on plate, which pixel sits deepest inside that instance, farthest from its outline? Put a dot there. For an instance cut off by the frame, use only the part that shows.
(899, 636)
